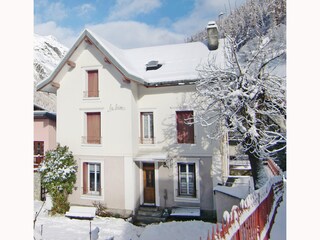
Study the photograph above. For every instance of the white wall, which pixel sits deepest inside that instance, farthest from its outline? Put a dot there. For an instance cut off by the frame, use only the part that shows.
(164, 102)
(114, 103)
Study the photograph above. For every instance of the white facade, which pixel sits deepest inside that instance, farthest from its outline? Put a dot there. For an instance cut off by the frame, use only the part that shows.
(117, 168)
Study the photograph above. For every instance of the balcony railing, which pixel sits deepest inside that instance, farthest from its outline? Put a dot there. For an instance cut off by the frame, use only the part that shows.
(147, 140)
(91, 140)
(89, 94)
(37, 159)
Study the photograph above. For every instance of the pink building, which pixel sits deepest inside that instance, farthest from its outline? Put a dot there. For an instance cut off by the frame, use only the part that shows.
(44, 140)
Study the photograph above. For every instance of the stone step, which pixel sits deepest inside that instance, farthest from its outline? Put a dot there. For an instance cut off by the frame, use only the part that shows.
(149, 208)
(149, 213)
(141, 220)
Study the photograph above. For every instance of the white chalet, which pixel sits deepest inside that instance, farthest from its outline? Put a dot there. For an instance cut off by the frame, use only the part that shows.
(123, 114)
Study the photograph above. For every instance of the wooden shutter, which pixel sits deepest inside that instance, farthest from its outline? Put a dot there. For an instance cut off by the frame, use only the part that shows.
(185, 132)
(85, 178)
(93, 128)
(93, 88)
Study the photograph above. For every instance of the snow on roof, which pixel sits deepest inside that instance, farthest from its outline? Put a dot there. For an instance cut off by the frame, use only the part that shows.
(179, 61)
(240, 192)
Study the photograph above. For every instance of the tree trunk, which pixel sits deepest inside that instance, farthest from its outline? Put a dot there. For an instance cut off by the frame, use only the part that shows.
(258, 172)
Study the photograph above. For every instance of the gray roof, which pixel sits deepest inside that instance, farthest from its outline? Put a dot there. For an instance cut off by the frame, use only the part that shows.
(44, 114)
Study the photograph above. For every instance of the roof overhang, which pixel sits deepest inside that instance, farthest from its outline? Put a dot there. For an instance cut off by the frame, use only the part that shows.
(152, 157)
(49, 85)
(44, 114)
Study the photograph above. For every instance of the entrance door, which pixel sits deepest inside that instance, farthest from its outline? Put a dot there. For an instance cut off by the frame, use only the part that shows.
(148, 183)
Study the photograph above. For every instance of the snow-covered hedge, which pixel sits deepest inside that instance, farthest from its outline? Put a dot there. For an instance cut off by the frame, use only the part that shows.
(58, 176)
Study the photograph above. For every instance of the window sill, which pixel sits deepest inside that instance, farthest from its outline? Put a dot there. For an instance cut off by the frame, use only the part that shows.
(91, 145)
(186, 144)
(91, 99)
(91, 197)
(186, 199)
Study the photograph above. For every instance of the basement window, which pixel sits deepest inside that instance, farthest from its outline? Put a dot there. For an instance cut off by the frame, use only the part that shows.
(153, 65)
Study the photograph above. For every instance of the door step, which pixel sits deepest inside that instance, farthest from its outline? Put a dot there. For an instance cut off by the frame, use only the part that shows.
(148, 215)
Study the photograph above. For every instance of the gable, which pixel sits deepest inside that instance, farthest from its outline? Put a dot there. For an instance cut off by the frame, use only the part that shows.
(178, 62)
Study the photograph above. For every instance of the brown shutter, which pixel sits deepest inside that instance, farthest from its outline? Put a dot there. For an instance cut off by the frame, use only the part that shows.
(185, 132)
(85, 178)
(35, 144)
(93, 128)
(93, 88)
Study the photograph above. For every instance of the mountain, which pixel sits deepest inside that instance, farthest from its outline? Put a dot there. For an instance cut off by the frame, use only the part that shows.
(48, 53)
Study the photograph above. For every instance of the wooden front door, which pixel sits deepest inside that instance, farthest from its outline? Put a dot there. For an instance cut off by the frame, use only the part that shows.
(148, 183)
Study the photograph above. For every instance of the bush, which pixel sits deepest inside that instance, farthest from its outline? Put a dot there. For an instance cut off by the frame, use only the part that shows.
(58, 176)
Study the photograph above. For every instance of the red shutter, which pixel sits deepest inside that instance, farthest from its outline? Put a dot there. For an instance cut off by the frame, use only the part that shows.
(93, 128)
(185, 132)
(85, 178)
(93, 88)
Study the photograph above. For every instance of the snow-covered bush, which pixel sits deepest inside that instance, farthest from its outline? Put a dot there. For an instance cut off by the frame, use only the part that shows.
(58, 176)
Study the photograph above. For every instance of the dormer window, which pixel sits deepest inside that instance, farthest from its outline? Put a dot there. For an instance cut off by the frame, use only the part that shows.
(153, 65)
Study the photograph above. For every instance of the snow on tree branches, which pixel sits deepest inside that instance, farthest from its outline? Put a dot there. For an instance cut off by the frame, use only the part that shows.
(246, 98)
(58, 176)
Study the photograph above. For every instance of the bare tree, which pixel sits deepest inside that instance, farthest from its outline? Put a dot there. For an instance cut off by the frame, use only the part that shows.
(246, 98)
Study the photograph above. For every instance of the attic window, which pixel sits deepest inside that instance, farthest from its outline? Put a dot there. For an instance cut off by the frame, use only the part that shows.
(153, 65)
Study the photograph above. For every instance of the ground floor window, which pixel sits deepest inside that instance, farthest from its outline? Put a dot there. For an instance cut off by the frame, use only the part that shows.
(92, 178)
(187, 179)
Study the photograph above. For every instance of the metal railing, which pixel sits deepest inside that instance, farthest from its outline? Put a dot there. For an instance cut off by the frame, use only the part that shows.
(90, 140)
(146, 140)
(89, 94)
(37, 160)
(254, 217)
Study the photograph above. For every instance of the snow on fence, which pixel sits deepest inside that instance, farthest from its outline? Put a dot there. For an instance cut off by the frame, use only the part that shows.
(254, 217)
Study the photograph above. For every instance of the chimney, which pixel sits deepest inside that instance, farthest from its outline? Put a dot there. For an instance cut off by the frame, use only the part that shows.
(213, 35)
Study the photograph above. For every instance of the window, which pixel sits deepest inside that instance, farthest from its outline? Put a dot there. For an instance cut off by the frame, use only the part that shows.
(38, 148)
(93, 128)
(38, 152)
(187, 179)
(92, 178)
(185, 128)
(146, 126)
(92, 84)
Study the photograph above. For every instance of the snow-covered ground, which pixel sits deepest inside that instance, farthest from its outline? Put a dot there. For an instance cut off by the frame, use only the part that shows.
(60, 227)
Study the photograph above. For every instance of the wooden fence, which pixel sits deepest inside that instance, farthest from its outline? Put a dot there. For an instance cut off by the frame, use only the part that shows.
(254, 217)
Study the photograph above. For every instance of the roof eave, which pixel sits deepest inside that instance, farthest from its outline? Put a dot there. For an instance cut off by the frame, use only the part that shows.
(115, 62)
(41, 85)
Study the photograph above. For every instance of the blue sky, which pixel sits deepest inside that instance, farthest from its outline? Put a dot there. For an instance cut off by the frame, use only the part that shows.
(128, 23)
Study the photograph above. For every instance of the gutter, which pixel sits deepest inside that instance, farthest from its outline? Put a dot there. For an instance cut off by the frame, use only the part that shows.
(171, 83)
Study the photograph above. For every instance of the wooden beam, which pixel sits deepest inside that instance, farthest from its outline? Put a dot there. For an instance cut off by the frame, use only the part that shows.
(107, 60)
(87, 40)
(126, 80)
(71, 63)
(56, 85)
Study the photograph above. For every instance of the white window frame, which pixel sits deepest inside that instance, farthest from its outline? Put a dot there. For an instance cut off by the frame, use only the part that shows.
(189, 199)
(150, 131)
(95, 191)
(187, 175)
(154, 112)
(90, 194)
